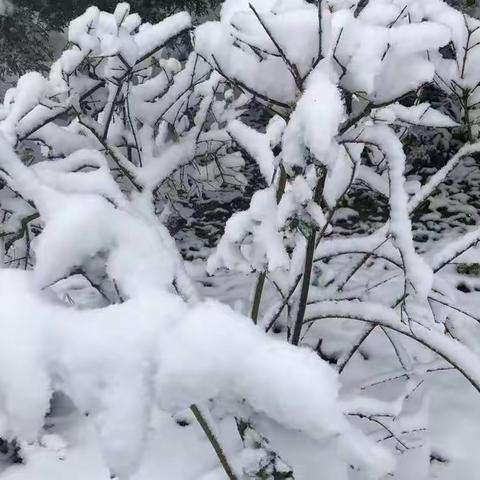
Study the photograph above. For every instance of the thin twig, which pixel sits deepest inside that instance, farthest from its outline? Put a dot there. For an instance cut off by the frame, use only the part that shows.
(213, 442)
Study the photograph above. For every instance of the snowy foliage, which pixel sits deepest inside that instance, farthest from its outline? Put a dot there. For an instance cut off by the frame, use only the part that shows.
(132, 120)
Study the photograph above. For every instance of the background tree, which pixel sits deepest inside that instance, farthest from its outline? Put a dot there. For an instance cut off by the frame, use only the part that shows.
(26, 26)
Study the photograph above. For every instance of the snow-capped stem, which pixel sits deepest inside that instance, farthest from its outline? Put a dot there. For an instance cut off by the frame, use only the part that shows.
(24, 223)
(436, 179)
(353, 120)
(155, 50)
(244, 87)
(447, 261)
(116, 155)
(291, 66)
(214, 442)
(55, 113)
(355, 269)
(446, 303)
(110, 107)
(366, 111)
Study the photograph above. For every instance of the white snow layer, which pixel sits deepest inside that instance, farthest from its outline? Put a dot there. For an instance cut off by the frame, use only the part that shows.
(118, 362)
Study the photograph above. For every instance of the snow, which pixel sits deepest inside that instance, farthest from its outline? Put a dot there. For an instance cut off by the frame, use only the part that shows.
(30, 88)
(459, 355)
(422, 114)
(298, 193)
(316, 118)
(417, 37)
(150, 37)
(373, 179)
(257, 145)
(103, 348)
(453, 249)
(214, 43)
(275, 129)
(417, 271)
(341, 174)
(436, 179)
(266, 246)
(107, 316)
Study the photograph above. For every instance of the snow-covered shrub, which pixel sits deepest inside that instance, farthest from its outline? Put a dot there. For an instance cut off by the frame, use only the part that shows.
(133, 91)
(93, 157)
(106, 313)
(341, 102)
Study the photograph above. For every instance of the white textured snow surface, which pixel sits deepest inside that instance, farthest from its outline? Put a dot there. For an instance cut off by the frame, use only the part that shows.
(113, 347)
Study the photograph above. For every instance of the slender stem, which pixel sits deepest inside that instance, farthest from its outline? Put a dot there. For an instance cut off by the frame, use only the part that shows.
(110, 109)
(307, 275)
(270, 322)
(258, 296)
(320, 31)
(307, 271)
(343, 361)
(214, 442)
(281, 183)
(360, 6)
(291, 66)
(467, 119)
(23, 230)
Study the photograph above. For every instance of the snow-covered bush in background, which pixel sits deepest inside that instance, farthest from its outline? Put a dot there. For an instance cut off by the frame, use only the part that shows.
(93, 157)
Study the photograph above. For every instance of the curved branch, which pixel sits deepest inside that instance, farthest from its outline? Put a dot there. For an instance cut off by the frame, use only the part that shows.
(459, 356)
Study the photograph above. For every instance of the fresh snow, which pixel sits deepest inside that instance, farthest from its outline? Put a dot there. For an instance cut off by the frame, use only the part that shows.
(121, 359)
